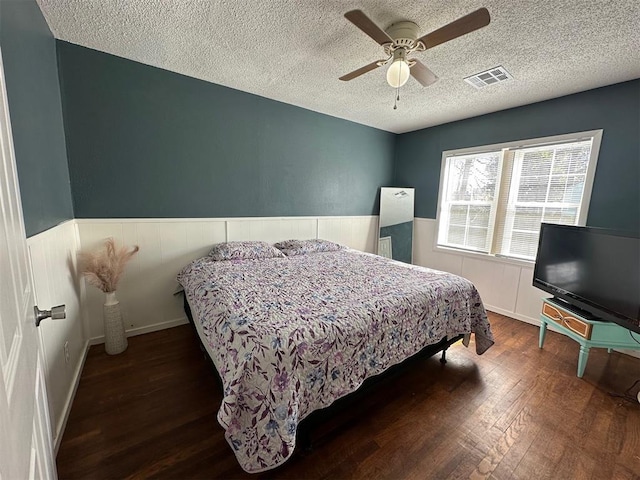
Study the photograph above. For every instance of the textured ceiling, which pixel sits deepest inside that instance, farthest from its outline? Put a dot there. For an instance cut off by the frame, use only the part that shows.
(294, 51)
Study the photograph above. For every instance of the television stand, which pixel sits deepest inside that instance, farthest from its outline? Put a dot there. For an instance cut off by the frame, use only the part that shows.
(588, 330)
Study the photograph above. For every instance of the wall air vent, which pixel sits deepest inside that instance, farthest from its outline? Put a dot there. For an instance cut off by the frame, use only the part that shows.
(489, 77)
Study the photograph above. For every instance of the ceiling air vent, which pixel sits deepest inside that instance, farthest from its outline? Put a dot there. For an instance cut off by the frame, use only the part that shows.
(488, 77)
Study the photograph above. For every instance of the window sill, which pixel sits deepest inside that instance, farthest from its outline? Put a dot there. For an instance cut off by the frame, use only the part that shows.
(484, 256)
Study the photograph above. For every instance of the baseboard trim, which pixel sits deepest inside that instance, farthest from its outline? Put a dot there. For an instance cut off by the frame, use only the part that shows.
(523, 318)
(631, 353)
(536, 322)
(510, 314)
(62, 425)
(146, 329)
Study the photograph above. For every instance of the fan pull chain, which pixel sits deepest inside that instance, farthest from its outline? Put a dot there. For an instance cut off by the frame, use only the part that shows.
(395, 103)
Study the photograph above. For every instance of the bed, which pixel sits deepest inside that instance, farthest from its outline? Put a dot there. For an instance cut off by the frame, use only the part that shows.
(290, 334)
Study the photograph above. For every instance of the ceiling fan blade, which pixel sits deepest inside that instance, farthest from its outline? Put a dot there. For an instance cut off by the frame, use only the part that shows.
(364, 23)
(360, 71)
(422, 74)
(475, 20)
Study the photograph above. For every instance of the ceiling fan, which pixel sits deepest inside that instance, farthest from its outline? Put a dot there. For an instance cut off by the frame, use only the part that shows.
(401, 40)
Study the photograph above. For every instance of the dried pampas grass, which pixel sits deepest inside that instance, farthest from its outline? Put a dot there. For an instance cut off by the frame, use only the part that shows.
(103, 268)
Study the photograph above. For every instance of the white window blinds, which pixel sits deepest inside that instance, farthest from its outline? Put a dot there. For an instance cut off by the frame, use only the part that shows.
(470, 200)
(494, 202)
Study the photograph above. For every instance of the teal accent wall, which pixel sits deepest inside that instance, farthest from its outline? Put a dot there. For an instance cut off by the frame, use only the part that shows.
(615, 200)
(145, 142)
(31, 75)
(401, 240)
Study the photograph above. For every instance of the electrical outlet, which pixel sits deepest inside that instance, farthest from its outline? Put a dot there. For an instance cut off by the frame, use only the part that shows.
(66, 352)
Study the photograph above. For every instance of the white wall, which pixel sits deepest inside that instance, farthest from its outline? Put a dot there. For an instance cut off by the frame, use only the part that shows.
(53, 262)
(166, 245)
(505, 287)
(146, 290)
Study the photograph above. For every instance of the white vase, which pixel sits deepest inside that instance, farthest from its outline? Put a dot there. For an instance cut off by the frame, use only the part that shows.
(115, 340)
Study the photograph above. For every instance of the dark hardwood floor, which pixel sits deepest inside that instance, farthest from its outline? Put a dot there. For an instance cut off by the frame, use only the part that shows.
(515, 412)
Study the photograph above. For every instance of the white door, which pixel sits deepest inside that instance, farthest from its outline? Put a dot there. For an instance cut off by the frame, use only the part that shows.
(25, 432)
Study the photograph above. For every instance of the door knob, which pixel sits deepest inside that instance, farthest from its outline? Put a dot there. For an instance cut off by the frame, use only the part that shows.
(56, 313)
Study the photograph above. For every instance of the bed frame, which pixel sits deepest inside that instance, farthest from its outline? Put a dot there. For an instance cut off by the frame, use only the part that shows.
(306, 433)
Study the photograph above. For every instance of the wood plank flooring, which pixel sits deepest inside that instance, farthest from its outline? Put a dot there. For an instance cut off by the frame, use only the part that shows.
(516, 412)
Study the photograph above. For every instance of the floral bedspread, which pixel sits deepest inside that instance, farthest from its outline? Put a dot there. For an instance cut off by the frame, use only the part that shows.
(291, 335)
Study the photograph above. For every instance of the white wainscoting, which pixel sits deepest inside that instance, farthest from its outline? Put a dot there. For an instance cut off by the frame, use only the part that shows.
(505, 287)
(166, 245)
(53, 262)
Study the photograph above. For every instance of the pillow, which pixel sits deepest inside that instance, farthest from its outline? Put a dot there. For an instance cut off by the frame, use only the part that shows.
(244, 251)
(302, 247)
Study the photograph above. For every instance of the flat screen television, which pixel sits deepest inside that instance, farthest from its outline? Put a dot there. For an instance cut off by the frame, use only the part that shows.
(593, 269)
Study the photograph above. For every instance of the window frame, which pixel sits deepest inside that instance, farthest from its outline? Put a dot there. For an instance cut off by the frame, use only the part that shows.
(510, 147)
(444, 181)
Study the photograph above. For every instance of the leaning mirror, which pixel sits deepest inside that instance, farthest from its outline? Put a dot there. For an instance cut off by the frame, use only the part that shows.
(396, 223)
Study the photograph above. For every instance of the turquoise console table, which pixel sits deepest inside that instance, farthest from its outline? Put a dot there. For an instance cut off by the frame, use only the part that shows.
(587, 330)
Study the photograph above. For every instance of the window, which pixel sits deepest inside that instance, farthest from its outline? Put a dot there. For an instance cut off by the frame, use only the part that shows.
(493, 199)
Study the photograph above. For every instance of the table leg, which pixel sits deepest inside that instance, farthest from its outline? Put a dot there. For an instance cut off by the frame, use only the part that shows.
(582, 360)
(543, 331)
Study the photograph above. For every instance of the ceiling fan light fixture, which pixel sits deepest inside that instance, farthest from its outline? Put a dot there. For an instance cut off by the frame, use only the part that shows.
(398, 72)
